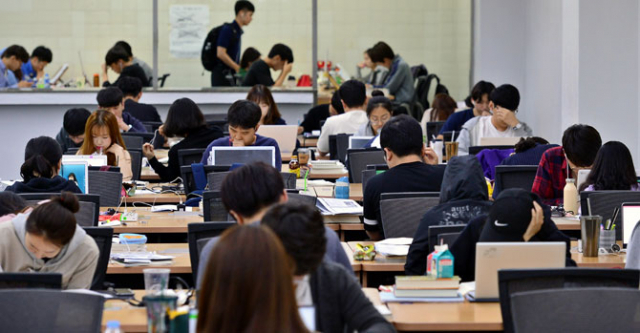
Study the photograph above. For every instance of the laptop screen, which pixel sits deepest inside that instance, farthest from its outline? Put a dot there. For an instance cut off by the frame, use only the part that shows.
(357, 142)
(630, 217)
(243, 155)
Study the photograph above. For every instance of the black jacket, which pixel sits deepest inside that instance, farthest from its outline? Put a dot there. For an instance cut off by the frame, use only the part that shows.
(141, 111)
(463, 197)
(340, 302)
(56, 184)
(66, 142)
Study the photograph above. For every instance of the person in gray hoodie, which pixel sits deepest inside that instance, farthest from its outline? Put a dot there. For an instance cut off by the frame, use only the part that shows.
(463, 197)
(48, 240)
(399, 81)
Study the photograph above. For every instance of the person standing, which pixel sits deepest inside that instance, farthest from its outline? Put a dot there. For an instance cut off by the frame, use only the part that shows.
(228, 44)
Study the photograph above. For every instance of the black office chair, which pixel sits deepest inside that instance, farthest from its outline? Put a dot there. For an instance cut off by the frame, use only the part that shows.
(133, 140)
(71, 151)
(186, 173)
(89, 211)
(333, 147)
(446, 233)
(342, 145)
(289, 180)
(107, 185)
(513, 281)
(190, 156)
(474, 150)
(30, 280)
(303, 199)
(217, 119)
(136, 163)
(198, 234)
(103, 238)
(366, 175)
(358, 159)
(450, 136)
(213, 209)
(433, 129)
(604, 202)
(400, 213)
(514, 176)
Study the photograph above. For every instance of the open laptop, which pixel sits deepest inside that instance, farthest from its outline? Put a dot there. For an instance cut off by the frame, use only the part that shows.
(92, 160)
(242, 155)
(491, 257)
(630, 217)
(498, 141)
(285, 136)
(357, 142)
(59, 74)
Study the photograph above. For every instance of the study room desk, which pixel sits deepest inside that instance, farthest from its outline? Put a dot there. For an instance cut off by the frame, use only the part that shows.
(566, 223)
(181, 262)
(158, 199)
(465, 316)
(308, 141)
(316, 175)
(158, 223)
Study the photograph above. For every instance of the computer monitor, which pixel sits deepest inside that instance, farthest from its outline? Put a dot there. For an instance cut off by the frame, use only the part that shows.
(491, 257)
(630, 217)
(285, 136)
(30, 280)
(357, 142)
(242, 155)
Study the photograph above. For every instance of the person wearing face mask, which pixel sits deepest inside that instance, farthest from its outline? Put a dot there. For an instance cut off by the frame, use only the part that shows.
(122, 64)
(48, 240)
(480, 100)
(503, 104)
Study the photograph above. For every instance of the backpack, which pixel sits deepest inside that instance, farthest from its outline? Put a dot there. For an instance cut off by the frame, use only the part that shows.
(209, 54)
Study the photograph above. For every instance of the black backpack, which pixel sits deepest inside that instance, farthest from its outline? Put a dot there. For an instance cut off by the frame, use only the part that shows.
(209, 54)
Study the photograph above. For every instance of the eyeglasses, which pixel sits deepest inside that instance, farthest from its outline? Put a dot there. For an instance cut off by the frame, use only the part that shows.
(380, 121)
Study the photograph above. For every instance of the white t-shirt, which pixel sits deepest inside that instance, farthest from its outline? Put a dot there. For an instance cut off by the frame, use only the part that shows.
(348, 122)
(481, 127)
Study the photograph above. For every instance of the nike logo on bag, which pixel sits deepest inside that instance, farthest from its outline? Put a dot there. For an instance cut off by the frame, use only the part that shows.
(500, 224)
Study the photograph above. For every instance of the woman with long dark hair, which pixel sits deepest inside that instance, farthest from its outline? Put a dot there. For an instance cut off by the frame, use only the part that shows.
(612, 170)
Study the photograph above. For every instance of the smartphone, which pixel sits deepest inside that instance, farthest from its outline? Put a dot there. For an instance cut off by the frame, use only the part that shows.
(124, 292)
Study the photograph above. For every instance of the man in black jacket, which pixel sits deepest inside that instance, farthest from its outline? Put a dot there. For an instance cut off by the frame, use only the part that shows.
(333, 293)
(132, 90)
(463, 196)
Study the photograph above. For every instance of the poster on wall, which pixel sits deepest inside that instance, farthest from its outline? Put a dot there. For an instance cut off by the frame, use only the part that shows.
(189, 25)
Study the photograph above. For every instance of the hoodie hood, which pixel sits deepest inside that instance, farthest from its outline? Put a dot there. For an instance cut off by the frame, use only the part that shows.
(463, 179)
(20, 223)
(56, 184)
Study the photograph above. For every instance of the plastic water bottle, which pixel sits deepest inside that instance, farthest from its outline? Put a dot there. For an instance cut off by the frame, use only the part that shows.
(342, 188)
(113, 326)
(47, 82)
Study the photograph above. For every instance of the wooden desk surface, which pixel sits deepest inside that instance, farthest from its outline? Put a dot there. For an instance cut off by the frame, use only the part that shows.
(181, 262)
(147, 174)
(161, 198)
(156, 223)
(316, 175)
(566, 223)
(355, 191)
(463, 316)
(307, 142)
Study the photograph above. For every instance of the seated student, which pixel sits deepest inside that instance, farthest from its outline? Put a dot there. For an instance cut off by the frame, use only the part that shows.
(377, 74)
(399, 81)
(42, 162)
(480, 99)
(71, 134)
(409, 169)
(379, 111)
(503, 123)
(111, 99)
(184, 120)
(580, 144)
(11, 204)
(34, 68)
(516, 216)
(261, 95)
(280, 58)
(612, 170)
(463, 197)
(353, 95)
(247, 194)
(528, 151)
(243, 117)
(148, 72)
(11, 59)
(103, 137)
(249, 56)
(320, 113)
(119, 61)
(248, 286)
(48, 240)
(442, 108)
(131, 88)
(336, 297)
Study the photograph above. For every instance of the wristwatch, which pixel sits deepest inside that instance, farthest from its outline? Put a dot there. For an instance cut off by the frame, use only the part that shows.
(515, 128)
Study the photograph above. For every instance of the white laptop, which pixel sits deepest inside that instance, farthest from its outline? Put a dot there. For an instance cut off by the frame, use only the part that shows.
(285, 136)
(356, 142)
(491, 257)
(242, 155)
(92, 160)
(630, 217)
(508, 141)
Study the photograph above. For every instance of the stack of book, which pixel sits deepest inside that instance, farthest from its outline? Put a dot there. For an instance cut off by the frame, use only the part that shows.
(426, 286)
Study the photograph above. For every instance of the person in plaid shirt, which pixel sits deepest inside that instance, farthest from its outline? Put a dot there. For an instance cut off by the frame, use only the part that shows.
(580, 145)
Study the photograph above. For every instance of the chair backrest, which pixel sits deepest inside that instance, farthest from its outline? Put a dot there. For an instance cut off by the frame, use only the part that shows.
(474, 150)
(103, 238)
(433, 129)
(198, 234)
(153, 125)
(342, 145)
(214, 180)
(71, 151)
(447, 238)
(603, 203)
(289, 180)
(133, 141)
(136, 163)
(436, 230)
(513, 281)
(450, 136)
(186, 173)
(514, 176)
(400, 213)
(303, 199)
(89, 211)
(107, 185)
(50, 311)
(358, 159)
(190, 156)
(576, 310)
(212, 207)
(30, 280)
(333, 147)
(366, 175)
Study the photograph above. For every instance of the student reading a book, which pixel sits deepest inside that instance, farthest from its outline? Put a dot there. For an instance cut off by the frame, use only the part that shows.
(377, 74)
(410, 169)
(248, 286)
(131, 88)
(103, 137)
(336, 297)
(112, 100)
(119, 61)
(183, 120)
(612, 170)
(135, 60)
(71, 134)
(463, 197)
(516, 216)
(244, 118)
(399, 81)
(11, 204)
(42, 162)
(261, 95)
(48, 240)
(247, 194)
(280, 58)
(34, 68)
